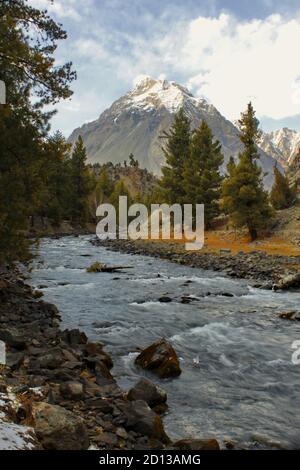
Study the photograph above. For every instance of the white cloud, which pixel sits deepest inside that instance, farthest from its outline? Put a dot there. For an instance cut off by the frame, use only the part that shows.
(222, 58)
(231, 62)
(89, 48)
(225, 59)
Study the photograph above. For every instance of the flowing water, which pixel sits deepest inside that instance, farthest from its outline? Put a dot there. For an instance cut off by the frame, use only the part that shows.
(238, 380)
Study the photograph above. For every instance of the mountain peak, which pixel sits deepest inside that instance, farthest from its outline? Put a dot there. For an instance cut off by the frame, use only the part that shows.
(283, 144)
(150, 93)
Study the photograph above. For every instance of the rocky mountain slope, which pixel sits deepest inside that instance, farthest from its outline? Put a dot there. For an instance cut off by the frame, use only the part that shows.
(135, 122)
(283, 145)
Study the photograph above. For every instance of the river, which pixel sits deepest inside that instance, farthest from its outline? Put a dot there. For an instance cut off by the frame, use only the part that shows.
(238, 381)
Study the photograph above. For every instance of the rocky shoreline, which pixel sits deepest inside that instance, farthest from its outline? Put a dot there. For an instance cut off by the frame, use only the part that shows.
(262, 270)
(59, 385)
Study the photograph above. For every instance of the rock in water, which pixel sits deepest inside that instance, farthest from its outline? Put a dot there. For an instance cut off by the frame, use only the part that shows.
(58, 428)
(145, 390)
(197, 444)
(160, 358)
(288, 282)
(293, 315)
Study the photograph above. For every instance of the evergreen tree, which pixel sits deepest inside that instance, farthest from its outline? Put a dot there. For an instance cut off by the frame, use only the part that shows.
(282, 196)
(201, 176)
(177, 152)
(244, 197)
(105, 184)
(120, 189)
(103, 188)
(82, 183)
(54, 195)
(28, 40)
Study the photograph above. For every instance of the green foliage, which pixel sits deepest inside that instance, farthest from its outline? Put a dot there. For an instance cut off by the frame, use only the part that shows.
(201, 176)
(104, 187)
(120, 189)
(82, 184)
(55, 193)
(282, 196)
(28, 40)
(244, 197)
(177, 152)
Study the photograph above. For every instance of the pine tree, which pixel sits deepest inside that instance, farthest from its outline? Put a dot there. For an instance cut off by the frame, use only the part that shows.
(120, 189)
(28, 40)
(82, 184)
(103, 189)
(282, 196)
(176, 151)
(201, 176)
(54, 195)
(244, 197)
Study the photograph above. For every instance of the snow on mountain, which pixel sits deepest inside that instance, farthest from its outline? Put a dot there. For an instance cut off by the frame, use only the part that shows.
(282, 144)
(136, 121)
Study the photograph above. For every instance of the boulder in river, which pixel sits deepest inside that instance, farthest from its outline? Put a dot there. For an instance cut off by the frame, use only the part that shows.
(165, 299)
(145, 390)
(293, 315)
(197, 444)
(160, 358)
(58, 428)
(288, 282)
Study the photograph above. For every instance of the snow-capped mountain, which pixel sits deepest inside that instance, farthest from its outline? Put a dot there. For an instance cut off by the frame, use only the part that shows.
(136, 121)
(283, 145)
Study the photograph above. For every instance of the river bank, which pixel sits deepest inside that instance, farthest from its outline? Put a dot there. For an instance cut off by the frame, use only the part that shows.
(232, 341)
(57, 388)
(263, 270)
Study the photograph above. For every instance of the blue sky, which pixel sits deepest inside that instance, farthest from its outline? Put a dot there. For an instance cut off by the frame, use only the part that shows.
(228, 51)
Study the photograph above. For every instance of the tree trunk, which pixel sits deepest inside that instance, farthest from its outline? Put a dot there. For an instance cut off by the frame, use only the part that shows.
(253, 233)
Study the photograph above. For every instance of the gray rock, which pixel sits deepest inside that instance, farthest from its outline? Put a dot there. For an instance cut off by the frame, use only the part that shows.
(145, 390)
(58, 428)
(160, 358)
(139, 417)
(51, 359)
(12, 338)
(14, 360)
(71, 390)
